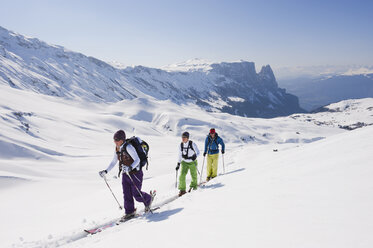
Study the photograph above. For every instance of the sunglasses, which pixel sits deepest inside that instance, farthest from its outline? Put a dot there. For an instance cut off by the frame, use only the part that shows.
(117, 140)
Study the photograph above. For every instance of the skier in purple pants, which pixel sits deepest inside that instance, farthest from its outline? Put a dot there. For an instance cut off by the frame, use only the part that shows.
(132, 175)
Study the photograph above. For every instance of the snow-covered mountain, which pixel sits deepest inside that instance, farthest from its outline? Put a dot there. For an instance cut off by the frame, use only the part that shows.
(28, 63)
(319, 91)
(289, 73)
(317, 86)
(351, 114)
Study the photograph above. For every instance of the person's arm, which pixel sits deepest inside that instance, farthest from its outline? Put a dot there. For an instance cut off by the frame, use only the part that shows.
(113, 162)
(195, 149)
(206, 144)
(132, 152)
(180, 155)
(222, 144)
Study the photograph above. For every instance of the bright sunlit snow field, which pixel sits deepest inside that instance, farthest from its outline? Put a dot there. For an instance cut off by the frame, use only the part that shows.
(315, 191)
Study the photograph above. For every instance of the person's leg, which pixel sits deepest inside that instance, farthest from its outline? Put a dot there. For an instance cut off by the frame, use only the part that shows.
(193, 173)
(215, 161)
(183, 173)
(129, 204)
(209, 166)
(137, 178)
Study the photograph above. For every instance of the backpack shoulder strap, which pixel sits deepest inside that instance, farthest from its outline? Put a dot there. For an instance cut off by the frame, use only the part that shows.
(119, 153)
(190, 145)
(210, 139)
(124, 149)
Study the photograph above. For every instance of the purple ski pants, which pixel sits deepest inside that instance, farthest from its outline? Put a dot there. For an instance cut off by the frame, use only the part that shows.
(130, 191)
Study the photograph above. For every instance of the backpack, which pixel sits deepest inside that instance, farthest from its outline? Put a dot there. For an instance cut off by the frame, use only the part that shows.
(142, 150)
(190, 145)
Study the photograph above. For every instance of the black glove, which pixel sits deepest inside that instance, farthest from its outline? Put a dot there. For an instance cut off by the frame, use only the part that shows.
(178, 166)
(222, 152)
(204, 154)
(194, 157)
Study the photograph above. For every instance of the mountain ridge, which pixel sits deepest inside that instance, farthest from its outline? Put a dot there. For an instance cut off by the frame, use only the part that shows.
(31, 64)
(314, 93)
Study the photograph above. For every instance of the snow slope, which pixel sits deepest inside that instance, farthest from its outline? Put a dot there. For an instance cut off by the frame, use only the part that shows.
(316, 187)
(309, 196)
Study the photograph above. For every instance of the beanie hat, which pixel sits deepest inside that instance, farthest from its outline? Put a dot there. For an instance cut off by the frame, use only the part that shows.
(185, 134)
(120, 135)
(212, 130)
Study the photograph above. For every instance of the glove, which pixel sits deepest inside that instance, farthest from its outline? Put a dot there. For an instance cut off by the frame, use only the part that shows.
(102, 173)
(194, 157)
(204, 154)
(222, 152)
(178, 166)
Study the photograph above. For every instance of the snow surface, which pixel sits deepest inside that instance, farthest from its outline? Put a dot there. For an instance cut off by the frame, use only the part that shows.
(315, 191)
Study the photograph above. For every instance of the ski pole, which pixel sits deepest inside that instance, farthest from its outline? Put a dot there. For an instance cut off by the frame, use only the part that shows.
(223, 163)
(203, 164)
(128, 174)
(176, 179)
(120, 207)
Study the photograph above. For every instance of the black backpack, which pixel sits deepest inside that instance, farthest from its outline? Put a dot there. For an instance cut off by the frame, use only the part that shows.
(142, 150)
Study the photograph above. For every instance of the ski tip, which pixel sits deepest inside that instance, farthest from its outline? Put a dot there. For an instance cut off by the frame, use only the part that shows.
(89, 232)
(156, 208)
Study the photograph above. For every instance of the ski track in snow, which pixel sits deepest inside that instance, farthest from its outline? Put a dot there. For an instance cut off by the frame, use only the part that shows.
(77, 235)
(81, 234)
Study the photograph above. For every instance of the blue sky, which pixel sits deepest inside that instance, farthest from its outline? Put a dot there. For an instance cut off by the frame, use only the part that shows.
(156, 33)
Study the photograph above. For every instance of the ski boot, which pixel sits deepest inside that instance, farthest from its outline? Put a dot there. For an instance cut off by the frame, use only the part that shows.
(128, 216)
(191, 188)
(182, 192)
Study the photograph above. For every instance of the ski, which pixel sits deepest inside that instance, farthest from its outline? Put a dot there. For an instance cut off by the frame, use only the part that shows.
(101, 228)
(191, 190)
(202, 183)
(117, 222)
(113, 223)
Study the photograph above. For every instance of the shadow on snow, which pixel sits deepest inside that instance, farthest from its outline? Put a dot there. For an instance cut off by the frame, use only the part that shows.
(212, 186)
(234, 171)
(164, 215)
